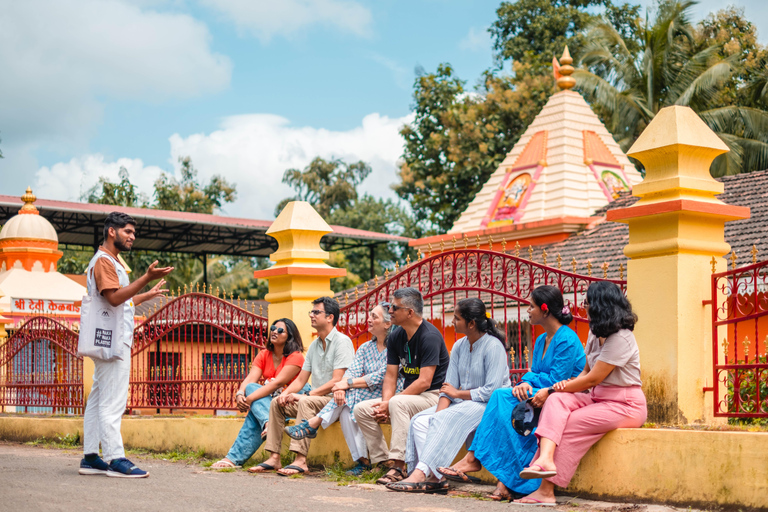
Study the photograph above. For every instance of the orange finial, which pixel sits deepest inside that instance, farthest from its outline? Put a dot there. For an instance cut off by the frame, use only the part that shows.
(713, 262)
(573, 264)
(733, 260)
(503, 246)
(621, 271)
(559, 261)
(517, 249)
(28, 199)
(605, 270)
(544, 256)
(454, 242)
(566, 81)
(754, 254)
(589, 268)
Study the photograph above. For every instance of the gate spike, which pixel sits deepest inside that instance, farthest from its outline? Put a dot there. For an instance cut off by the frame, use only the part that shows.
(365, 288)
(544, 256)
(477, 241)
(217, 292)
(376, 280)
(490, 243)
(733, 260)
(442, 245)
(525, 353)
(386, 274)
(589, 268)
(605, 270)
(713, 262)
(517, 249)
(754, 252)
(621, 271)
(573, 264)
(559, 261)
(397, 267)
(746, 349)
(204, 288)
(429, 250)
(454, 242)
(466, 241)
(185, 288)
(503, 246)
(261, 308)
(530, 253)
(407, 260)
(357, 293)
(239, 304)
(197, 289)
(418, 254)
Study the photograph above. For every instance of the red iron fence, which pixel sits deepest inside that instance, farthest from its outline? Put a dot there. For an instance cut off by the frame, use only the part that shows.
(193, 352)
(740, 341)
(39, 369)
(504, 282)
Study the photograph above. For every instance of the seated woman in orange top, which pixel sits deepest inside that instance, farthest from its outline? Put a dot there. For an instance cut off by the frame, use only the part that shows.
(277, 366)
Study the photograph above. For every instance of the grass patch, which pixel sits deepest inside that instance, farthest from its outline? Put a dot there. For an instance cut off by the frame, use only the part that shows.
(60, 441)
(175, 455)
(338, 473)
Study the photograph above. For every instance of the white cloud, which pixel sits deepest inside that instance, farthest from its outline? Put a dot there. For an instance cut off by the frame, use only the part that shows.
(268, 18)
(400, 74)
(252, 151)
(476, 40)
(60, 60)
(69, 180)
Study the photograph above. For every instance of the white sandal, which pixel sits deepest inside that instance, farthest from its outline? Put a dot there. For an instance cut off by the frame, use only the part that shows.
(225, 464)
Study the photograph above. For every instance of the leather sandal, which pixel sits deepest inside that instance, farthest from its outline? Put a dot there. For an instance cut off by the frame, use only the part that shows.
(421, 487)
(392, 476)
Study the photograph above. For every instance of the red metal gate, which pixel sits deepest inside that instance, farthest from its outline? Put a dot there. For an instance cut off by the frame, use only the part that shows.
(192, 353)
(740, 341)
(503, 281)
(40, 370)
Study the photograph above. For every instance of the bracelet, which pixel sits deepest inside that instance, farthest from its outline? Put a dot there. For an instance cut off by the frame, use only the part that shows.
(240, 393)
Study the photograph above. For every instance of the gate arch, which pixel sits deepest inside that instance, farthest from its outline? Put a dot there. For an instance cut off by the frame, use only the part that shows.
(192, 353)
(504, 282)
(40, 370)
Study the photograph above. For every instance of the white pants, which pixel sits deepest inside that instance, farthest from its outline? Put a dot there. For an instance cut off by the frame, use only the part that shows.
(352, 433)
(105, 408)
(419, 427)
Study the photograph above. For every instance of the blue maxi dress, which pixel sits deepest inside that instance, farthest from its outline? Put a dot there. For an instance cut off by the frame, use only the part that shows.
(500, 449)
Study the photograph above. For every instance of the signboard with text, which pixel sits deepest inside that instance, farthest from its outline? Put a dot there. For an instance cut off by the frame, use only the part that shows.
(46, 306)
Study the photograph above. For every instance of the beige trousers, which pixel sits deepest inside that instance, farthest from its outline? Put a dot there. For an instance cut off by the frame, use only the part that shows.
(304, 409)
(401, 409)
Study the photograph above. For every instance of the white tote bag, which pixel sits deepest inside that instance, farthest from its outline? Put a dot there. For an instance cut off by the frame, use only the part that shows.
(100, 325)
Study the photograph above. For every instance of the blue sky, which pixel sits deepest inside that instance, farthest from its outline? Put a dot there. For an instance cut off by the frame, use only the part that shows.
(247, 88)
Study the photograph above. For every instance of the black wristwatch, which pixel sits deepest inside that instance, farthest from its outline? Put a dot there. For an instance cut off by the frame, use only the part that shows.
(551, 390)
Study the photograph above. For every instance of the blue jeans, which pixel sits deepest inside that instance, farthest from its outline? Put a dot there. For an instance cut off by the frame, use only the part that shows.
(249, 438)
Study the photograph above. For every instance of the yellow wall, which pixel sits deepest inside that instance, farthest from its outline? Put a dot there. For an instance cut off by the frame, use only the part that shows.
(657, 465)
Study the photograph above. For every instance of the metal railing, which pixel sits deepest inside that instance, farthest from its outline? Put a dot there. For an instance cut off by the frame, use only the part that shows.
(503, 281)
(39, 369)
(740, 341)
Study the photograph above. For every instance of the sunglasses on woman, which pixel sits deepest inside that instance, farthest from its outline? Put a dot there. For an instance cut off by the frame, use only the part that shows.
(279, 330)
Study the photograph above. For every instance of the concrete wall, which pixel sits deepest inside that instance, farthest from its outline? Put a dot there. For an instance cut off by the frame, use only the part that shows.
(682, 467)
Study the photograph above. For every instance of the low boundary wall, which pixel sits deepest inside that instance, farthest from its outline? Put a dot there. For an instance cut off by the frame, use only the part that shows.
(681, 467)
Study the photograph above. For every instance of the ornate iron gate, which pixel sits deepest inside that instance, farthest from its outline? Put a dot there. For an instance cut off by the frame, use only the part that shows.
(192, 353)
(40, 370)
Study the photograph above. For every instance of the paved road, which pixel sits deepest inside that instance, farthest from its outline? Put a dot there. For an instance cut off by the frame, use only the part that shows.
(35, 479)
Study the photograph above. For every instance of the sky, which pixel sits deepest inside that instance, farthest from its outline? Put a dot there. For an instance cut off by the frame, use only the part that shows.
(246, 88)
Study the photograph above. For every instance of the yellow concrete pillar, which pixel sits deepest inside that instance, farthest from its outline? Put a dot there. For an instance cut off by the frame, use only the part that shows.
(300, 274)
(674, 231)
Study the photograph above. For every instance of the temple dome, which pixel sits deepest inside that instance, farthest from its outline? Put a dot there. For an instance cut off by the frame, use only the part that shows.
(28, 240)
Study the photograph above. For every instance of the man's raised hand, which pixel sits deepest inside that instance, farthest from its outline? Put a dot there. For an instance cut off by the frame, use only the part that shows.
(153, 272)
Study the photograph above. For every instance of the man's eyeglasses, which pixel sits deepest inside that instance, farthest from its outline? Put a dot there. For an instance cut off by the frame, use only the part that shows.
(316, 312)
(394, 308)
(279, 330)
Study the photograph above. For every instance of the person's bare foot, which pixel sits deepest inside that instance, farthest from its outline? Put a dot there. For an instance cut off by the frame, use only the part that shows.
(419, 476)
(271, 464)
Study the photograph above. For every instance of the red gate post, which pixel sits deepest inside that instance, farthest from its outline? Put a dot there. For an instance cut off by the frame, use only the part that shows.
(674, 231)
(300, 274)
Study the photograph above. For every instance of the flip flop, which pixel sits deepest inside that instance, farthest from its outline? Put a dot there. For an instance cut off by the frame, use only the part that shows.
(225, 464)
(295, 468)
(458, 476)
(534, 503)
(499, 496)
(266, 468)
(420, 487)
(529, 473)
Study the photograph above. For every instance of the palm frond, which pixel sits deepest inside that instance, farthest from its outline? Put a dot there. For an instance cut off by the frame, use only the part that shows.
(703, 86)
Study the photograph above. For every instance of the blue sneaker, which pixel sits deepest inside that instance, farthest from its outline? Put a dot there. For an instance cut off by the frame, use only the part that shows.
(358, 469)
(123, 468)
(95, 466)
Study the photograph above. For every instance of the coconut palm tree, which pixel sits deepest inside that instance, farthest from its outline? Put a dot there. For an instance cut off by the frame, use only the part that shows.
(670, 68)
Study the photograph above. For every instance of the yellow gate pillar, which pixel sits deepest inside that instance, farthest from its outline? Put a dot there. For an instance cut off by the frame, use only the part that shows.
(674, 231)
(299, 275)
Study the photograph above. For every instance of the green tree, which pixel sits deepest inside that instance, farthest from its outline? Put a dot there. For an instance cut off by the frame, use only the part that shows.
(189, 195)
(457, 140)
(122, 193)
(676, 65)
(325, 184)
(532, 31)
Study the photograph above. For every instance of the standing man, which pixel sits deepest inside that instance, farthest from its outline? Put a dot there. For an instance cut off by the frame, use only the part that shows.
(419, 348)
(109, 394)
(328, 357)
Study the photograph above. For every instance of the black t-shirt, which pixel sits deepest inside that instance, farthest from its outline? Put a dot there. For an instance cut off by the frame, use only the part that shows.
(425, 348)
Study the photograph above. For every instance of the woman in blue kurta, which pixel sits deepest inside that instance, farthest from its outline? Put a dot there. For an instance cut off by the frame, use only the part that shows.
(557, 355)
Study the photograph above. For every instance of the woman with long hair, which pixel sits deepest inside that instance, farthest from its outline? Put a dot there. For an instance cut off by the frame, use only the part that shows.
(557, 355)
(477, 368)
(276, 366)
(363, 380)
(572, 421)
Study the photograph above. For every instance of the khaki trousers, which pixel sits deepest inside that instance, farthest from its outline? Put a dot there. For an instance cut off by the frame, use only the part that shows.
(307, 407)
(401, 409)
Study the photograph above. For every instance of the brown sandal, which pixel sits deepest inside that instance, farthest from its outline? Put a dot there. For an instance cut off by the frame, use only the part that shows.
(392, 476)
(499, 496)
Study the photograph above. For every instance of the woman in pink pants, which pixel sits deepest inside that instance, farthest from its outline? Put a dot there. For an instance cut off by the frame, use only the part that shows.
(571, 421)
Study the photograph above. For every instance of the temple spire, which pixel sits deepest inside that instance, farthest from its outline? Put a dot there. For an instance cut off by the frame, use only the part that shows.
(29, 198)
(565, 81)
